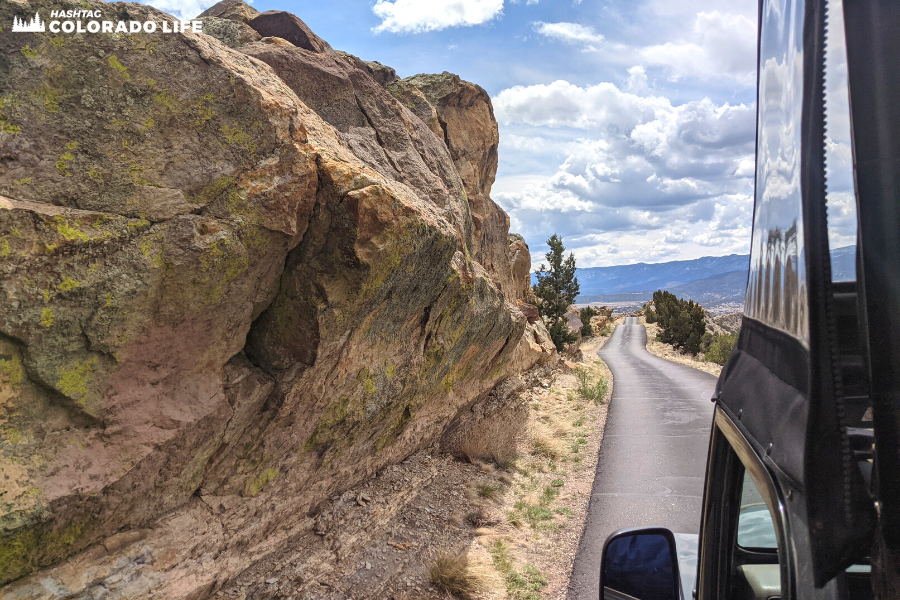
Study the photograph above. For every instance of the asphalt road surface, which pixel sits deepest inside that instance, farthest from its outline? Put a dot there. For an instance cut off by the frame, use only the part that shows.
(653, 457)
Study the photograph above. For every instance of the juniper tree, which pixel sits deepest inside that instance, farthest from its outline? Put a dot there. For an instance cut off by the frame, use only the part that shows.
(556, 290)
(681, 322)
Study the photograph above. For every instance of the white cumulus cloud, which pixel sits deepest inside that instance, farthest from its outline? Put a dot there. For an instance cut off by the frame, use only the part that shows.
(643, 177)
(721, 44)
(417, 16)
(570, 33)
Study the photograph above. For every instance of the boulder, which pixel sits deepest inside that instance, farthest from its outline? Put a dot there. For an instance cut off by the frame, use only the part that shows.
(599, 322)
(520, 265)
(233, 283)
(383, 74)
(284, 25)
(530, 311)
(465, 116)
(573, 320)
(231, 33)
(231, 10)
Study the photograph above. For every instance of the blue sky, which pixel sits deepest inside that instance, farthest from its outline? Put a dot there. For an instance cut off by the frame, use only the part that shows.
(627, 127)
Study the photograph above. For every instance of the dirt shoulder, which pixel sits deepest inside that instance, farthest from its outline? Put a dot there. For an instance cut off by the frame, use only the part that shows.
(669, 353)
(544, 508)
(505, 529)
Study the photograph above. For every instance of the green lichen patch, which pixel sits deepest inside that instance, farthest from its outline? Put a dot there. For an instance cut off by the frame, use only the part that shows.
(119, 67)
(22, 552)
(47, 317)
(5, 250)
(74, 382)
(201, 111)
(49, 96)
(327, 429)
(69, 233)
(67, 284)
(11, 371)
(210, 192)
(255, 485)
(166, 99)
(29, 52)
(236, 136)
(368, 383)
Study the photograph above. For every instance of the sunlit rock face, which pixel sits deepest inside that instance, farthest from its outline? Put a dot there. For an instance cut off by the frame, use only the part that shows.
(237, 276)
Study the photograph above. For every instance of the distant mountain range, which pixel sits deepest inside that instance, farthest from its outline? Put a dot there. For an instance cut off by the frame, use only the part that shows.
(710, 280)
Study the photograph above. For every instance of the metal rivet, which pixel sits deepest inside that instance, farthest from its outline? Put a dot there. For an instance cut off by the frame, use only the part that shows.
(769, 449)
(740, 414)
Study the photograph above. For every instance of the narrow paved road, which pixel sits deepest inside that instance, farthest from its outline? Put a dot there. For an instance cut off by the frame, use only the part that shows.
(653, 457)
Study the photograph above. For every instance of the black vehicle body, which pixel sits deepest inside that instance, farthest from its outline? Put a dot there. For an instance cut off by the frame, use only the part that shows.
(808, 406)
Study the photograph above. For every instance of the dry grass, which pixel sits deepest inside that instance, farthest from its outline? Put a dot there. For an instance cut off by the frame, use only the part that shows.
(487, 491)
(669, 353)
(458, 575)
(542, 510)
(543, 443)
(491, 440)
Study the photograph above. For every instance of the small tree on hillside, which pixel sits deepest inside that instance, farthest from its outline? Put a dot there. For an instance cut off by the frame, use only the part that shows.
(556, 290)
(681, 322)
(587, 313)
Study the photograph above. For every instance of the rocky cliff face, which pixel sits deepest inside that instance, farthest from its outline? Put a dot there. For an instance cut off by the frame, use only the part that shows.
(238, 275)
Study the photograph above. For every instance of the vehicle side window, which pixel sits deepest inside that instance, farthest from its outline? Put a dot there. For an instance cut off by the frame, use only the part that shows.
(757, 574)
(755, 527)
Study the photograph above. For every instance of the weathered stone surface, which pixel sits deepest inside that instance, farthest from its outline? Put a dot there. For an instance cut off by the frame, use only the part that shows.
(220, 303)
(230, 32)
(573, 319)
(376, 128)
(531, 312)
(232, 10)
(284, 25)
(520, 265)
(383, 74)
(599, 322)
(465, 116)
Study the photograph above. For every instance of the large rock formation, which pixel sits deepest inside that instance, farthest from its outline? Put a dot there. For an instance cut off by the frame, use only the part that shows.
(233, 282)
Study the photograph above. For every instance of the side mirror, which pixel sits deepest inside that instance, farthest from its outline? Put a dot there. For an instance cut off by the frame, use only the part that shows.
(640, 564)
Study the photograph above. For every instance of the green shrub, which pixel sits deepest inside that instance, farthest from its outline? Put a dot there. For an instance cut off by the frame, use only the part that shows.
(681, 322)
(706, 341)
(561, 334)
(586, 315)
(593, 390)
(556, 289)
(720, 349)
(649, 313)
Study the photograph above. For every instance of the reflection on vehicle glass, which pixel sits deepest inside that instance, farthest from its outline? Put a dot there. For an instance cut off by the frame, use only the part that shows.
(840, 195)
(639, 566)
(776, 290)
(755, 526)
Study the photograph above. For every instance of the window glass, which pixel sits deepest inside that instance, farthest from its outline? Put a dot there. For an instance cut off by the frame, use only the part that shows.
(755, 526)
(840, 195)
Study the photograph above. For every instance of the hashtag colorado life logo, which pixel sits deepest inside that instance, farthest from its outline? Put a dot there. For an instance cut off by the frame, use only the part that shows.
(87, 21)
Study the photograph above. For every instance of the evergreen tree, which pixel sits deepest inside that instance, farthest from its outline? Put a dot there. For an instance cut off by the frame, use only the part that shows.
(681, 322)
(587, 313)
(556, 290)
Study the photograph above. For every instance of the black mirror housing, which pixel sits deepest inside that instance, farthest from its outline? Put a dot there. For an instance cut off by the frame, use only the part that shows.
(640, 564)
